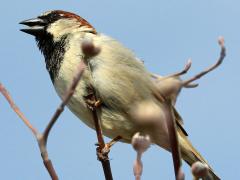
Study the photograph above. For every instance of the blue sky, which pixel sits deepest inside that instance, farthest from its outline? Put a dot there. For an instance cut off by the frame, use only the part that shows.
(162, 33)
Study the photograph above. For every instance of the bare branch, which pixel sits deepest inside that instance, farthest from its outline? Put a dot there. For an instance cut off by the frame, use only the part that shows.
(46, 161)
(102, 152)
(171, 123)
(17, 110)
(49, 166)
(140, 143)
(199, 170)
(211, 68)
(184, 71)
(90, 51)
(42, 138)
(173, 138)
(66, 98)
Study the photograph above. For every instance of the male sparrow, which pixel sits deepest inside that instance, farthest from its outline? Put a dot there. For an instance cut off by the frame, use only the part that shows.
(117, 76)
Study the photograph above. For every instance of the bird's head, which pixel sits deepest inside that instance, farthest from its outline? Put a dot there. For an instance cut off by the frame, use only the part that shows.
(56, 23)
(52, 30)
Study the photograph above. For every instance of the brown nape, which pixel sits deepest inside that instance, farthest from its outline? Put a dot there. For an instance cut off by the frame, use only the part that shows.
(80, 19)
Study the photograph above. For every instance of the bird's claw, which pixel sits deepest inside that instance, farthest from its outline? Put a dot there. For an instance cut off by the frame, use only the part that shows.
(91, 102)
(102, 152)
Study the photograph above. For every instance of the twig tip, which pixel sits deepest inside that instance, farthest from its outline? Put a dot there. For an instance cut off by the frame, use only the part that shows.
(140, 142)
(189, 64)
(199, 169)
(89, 49)
(221, 41)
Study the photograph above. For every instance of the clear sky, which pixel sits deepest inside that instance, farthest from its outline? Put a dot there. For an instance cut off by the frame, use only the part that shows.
(162, 33)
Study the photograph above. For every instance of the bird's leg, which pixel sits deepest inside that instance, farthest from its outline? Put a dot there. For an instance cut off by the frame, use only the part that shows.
(90, 50)
(93, 104)
(102, 152)
(102, 148)
(91, 100)
(111, 143)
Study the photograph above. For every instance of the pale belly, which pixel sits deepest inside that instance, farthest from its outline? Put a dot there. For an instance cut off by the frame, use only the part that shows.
(113, 124)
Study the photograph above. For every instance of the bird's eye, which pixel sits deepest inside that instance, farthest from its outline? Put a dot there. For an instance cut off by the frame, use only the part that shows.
(41, 17)
(52, 17)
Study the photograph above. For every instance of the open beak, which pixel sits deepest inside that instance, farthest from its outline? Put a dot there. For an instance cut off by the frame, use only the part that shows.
(36, 26)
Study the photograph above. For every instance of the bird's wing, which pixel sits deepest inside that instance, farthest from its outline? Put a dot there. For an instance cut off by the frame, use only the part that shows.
(179, 121)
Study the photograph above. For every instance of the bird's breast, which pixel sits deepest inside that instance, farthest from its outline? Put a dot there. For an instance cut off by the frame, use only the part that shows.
(113, 122)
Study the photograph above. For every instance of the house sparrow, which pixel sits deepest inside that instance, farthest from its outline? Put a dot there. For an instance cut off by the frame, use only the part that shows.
(119, 79)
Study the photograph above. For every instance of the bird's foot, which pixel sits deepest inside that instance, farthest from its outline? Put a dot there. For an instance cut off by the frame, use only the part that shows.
(93, 104)
(112, 142)
(91, 99)
(102, 152)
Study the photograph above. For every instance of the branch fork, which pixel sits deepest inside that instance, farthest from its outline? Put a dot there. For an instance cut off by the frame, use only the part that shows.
(170, 94)
(43, 137)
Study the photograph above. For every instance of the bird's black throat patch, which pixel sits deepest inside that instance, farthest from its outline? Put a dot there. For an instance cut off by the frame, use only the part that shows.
(53, 53)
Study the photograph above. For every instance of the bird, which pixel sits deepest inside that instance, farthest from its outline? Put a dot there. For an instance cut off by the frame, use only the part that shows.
(119, 79)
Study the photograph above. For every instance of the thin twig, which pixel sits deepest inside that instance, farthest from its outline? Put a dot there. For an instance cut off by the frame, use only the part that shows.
(173, 137)
(42, 137)
(49, 166)
(46, 161)
(97, 125)
(211, 68)
(171, 123)
(172, 132)
(184, 71)
(89, 51)
(102, 152)
(17, 110)
(140, 144)
(65, 100)
(177, 74)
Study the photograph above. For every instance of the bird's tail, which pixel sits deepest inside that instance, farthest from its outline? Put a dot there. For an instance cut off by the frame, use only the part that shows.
(191, 155)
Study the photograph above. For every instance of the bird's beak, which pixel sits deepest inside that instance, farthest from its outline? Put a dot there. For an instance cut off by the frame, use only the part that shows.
(36, 26)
